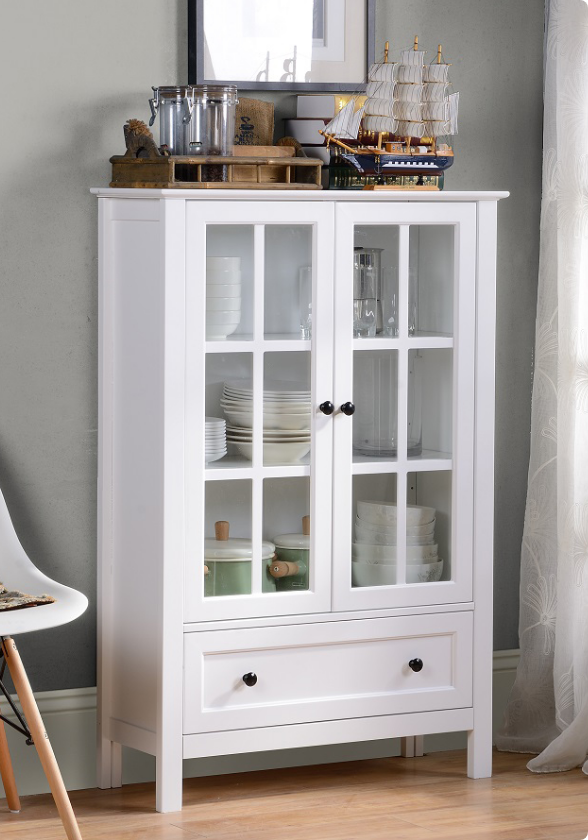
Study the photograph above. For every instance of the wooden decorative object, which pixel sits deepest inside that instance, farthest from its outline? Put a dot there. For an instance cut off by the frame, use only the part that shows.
(139, 140)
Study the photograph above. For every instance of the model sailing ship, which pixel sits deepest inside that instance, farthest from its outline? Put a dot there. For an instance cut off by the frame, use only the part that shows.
(407, 108)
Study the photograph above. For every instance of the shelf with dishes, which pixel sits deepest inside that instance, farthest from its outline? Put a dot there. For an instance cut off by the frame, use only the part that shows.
(285, 436)
(401, 529)
(263, 549)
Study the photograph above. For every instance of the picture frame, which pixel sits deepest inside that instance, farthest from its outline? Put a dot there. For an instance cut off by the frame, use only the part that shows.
(318, 45)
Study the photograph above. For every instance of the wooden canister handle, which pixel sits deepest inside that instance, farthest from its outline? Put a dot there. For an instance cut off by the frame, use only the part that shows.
(221, 530)
(206, 570)
(281, 568)
(306, 526)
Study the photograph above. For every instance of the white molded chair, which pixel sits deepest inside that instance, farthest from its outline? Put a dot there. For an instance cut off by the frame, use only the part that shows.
(18, 572)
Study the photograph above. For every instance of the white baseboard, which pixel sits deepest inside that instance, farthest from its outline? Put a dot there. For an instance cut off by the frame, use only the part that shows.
(70, 720)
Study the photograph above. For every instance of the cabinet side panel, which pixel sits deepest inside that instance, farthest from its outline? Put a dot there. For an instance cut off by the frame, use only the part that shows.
(137, 471)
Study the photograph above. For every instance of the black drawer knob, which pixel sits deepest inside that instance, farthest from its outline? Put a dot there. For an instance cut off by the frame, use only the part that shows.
(250, 679)
(415, 664)
(327, 407)
(348, 408)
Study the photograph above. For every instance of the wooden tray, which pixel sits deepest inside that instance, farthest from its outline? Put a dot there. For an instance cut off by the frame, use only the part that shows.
(241, 172)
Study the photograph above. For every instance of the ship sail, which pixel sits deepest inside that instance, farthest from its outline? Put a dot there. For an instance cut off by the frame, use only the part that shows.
(406, 99)
(346, 123)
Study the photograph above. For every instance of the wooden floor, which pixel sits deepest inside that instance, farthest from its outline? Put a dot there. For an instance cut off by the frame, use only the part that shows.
(426, 798)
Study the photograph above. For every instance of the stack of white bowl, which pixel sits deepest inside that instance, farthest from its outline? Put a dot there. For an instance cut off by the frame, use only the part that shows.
(215, 438)
(286, 420)
(223, 296)
(374, 550)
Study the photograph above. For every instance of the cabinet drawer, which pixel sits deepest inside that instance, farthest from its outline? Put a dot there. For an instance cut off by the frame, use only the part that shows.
(317, 672)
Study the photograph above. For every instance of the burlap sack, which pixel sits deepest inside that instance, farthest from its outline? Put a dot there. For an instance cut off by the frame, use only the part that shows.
(254, 122)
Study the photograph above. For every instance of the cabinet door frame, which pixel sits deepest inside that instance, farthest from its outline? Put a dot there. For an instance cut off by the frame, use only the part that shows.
(258, 215)
(462, 217)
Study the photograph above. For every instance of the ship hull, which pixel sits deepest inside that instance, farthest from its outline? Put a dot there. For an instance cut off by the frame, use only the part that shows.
(395, 164)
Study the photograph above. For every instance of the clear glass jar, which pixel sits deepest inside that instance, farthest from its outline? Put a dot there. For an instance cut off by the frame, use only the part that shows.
(213, 120)
(174, 106)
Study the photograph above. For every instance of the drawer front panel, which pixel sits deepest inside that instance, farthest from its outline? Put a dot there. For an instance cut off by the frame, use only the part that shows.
(326, 671)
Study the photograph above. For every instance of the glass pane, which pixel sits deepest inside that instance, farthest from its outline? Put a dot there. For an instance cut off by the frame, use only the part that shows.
(430, 403)
(428, 527)
(375, 395)
(374, 547)
(286, 526)
(229, 409)
(375, 279)
(431, 280)
(228, 555)
(286, 408)
(288, 281)
(229, 282)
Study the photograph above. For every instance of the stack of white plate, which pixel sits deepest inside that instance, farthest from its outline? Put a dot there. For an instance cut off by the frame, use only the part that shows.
(223, 296)
(374, 549)
(286, 419)
(215, 438)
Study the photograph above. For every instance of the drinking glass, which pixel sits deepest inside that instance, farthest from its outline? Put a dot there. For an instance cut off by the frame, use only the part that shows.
(364, 297)
(388, 303)
(305, 300)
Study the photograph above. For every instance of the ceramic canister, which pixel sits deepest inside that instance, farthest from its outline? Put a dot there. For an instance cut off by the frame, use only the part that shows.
(228, 563)
(291, 567)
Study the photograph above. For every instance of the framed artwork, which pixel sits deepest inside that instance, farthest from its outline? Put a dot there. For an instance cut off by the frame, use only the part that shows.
(313, 45)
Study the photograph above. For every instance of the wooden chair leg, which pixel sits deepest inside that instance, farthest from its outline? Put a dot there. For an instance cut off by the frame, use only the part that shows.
(7, 773)
(40, 739)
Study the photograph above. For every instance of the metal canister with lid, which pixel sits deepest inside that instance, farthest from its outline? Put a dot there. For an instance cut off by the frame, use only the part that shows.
(228, 562)
(290, 569)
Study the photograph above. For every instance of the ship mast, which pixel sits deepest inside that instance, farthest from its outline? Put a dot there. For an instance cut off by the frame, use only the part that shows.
(415, 47)
(386, 50)
(434, 139)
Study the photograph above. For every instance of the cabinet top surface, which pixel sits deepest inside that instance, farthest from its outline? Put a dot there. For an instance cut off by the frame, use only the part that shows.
(299, 195)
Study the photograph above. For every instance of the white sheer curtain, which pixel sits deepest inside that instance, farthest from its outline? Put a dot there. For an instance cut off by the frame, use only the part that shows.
(548, 708)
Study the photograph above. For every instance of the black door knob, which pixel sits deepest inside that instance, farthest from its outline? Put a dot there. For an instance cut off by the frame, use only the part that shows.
(327, 407)
(348, 408)
(415, 664)
(250, 679)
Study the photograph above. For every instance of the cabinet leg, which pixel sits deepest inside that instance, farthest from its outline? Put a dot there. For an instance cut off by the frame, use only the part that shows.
(109, 763)
(412, 746)
(168, 785)
(40, 739)
(480, 753)
(7, 773)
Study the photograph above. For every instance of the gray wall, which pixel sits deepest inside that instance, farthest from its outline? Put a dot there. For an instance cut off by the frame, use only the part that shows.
(74, 72)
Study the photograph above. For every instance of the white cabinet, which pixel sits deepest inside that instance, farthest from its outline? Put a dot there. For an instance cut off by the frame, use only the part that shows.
(379, 425)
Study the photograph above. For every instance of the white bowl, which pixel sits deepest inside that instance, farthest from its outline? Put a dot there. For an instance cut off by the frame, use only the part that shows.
(223, 277)
(270, 421)
(220, 290)
(215, 332)
(366, 574)
(277, 453)
(374, 574)
(223, 316)
(387, 553)
(217, 263)
(377, 538)
(226, 304)
(384, 513)
(411, 530)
